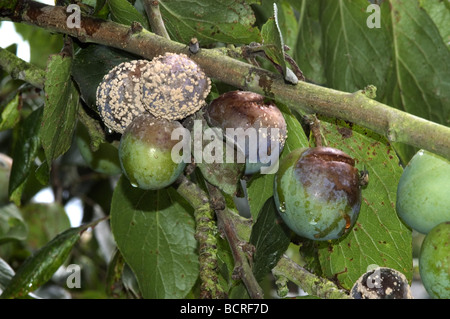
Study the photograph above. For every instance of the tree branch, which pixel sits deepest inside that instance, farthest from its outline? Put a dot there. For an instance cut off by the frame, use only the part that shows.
(310, 283)
(205, 235)
(226, 224)
(304, 97)
(20, 69)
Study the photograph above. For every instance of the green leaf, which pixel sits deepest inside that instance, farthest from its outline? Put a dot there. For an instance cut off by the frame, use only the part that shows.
(6, 273)
(210, 21)
(421, 72)
(307, 48)
(99, 4)
(273, 45)
(379, 236)
(60, 109)
(296, 135)
(12, 225)
(125, 13)
(25, 151)
(225, 263)
(42, 43)
(116, 281)
(259, 189)
(45, 220)
(10, 114)
(354, 54)
(412, 62)
(288, 24)
(222, 174)
(270, 238)
(154, 231)
(90, 66)
(439, 12)
(92, 130)
(40, 267)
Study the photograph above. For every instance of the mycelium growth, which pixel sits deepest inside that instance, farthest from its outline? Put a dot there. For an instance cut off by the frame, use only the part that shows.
(174, 87)
(119, 95)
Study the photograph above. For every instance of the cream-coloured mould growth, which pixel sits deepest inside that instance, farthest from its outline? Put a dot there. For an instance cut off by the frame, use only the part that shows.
(171, 86)
(174, 87)
(119, 95)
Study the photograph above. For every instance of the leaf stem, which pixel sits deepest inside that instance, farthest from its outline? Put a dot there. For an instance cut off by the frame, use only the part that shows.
(396, 125)
(155, 18)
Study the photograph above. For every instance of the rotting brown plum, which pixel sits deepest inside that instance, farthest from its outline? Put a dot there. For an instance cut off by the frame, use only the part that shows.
(174, 87)
(119, 95)
(381, 283)
(246, 115)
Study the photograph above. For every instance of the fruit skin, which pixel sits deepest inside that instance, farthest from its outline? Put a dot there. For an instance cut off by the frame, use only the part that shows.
(317, 192)
(119, 95)
(104, 160)
(243, 109)
(434, 261)
(145, 152)
(174, 86)
(423, 199)
(381, 283)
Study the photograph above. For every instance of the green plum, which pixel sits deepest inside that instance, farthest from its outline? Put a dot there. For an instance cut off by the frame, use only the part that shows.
(423, 199)
(145, 152)
(318, 193)
(104, 160)
(434, 261)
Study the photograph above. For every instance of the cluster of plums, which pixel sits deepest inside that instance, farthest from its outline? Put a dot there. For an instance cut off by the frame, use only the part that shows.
(317, 190)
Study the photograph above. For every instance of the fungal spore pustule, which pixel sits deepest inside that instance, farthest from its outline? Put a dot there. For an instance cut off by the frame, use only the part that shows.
(174, 87)
(119, 95)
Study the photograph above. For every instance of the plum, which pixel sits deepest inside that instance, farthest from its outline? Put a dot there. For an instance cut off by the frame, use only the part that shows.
(423, 199)
(174, 87)
(381, 283)
(119, 95)
(145, 152)
(434, 261)
(236, 112)
(317, 192)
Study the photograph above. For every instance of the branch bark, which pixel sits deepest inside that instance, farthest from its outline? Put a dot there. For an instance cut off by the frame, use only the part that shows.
(310, 283)
(227, 226)
(155, 18)
(205, 235)
(21, 70)
(358, 108)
